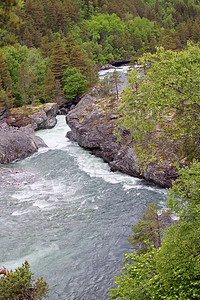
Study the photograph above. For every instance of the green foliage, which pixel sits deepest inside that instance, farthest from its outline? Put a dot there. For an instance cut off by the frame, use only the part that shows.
(102, 31)
(178, 260)
(74, 83)
(141, 32)
(110, 84)
(9, 20)
(49, 87)
(163, 103)
(20, 284)
(6, 99)
(59, 59)
(185, 194)
(106, 34)
(150, 227)
(136, 277)
(172, 271)
(14, 57)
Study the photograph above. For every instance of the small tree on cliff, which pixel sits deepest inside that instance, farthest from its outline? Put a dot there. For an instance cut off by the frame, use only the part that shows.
(114, 81)
(150, 227)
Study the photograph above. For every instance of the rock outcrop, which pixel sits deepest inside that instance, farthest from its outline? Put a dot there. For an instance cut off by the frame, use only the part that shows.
(17, 143)
(92, 123)
(3, 113)
(39, 117)
(107, 67)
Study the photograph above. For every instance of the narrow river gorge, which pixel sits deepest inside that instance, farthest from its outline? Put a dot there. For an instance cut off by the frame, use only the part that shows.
(70, 217)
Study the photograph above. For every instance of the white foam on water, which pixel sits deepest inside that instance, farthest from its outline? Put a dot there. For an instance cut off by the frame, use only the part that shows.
(17, 213)
(152, 188)
(122, 69)
(95, 167)
(41, 204)
(55, 139)
(34, 257)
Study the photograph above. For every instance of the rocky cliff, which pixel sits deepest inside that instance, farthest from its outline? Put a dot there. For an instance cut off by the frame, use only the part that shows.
(92, 123)
(17, 143)
(39, 117)
(17, 136)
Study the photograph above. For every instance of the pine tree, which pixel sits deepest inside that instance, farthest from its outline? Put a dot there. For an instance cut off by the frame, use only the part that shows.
(59, 59)
(28, 87)
(6, 99)
(79, 60)
(150, 227)
(46, 46)
(114, 81)
(49, 87)
(6, 82)
(196, 32)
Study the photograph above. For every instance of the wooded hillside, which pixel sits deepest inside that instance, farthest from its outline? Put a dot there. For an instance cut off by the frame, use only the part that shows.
(54, 35)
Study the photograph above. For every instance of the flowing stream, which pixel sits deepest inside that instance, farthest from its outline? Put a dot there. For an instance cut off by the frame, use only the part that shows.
(70, 217)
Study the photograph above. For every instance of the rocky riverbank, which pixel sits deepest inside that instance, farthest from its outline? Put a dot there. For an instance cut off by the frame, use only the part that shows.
(92, 123)
(17, 143)
(17, 136)
(39, 117)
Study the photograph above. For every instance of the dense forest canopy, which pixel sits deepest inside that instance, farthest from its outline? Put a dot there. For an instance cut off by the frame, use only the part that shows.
(54, 35)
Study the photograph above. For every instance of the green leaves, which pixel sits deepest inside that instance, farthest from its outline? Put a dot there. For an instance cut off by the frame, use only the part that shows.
(162, 103)
(184, 196)
(74, 83)
(9, 21)
(172, 271)
(20, 284)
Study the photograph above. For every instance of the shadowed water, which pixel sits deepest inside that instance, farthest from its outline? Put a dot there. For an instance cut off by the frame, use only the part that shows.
(70, 217)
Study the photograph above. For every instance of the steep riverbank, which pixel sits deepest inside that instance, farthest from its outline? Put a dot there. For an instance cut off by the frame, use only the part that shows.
(17, 136)
(92, 123)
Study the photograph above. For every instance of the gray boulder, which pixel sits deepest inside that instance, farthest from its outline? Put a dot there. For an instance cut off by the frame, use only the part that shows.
(39, 117)
(17, 143)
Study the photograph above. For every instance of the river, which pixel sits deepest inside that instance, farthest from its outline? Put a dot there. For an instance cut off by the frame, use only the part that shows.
(70, 217)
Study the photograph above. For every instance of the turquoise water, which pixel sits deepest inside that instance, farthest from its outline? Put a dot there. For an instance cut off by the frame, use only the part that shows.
(70, 217)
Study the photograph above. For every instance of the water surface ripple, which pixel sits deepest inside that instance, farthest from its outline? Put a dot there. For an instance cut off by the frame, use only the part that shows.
(70, 217)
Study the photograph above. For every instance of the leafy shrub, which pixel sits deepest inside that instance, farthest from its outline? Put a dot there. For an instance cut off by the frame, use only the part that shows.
(20, 284)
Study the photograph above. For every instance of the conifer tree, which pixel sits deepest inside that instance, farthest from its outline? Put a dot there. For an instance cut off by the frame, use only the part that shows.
(6, 99)
(59, 59)
(150, 228)
(114, 81)
(49, 87)
(196, 31)
(8, 21)
(35, 20)
(79, 60)
(28, 86)
(6, 82)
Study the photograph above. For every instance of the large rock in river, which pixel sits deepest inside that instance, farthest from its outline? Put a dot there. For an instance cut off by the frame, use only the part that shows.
(39, 117)
(92, 124)
(17, 143)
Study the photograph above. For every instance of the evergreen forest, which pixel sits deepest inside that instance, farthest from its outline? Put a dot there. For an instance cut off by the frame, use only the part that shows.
(41, 38)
